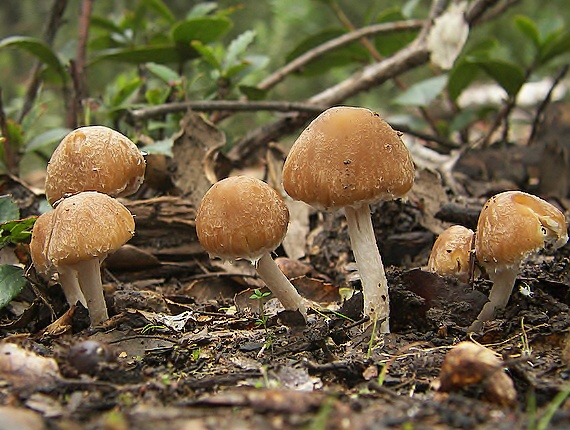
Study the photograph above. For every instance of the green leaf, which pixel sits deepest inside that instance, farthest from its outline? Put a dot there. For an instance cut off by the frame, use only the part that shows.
(252, 93)
(38, 49)
(423, 92)
(46, 138)
(16, 231)
(202, 9)
(161, 9)
(146, 54)
(238, 47)
(508, 75)
(555, 44)
(460, 77)
(528, 28)
(161, 147)
(389, 43)
(9, 210)
(12, 282)
(163, 72)
(206, 29)
(207, 54)
(125, 91)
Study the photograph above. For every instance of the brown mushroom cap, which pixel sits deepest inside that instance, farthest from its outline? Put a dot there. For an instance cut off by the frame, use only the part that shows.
(514, 224)
(84, 226)
(241, 217)
(451, 252)
(347, 156)
(40, 242)
(94, 158)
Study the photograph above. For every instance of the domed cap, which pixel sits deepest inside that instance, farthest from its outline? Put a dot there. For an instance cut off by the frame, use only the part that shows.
(451, 252)
(40, 241)
(94, 158)
(241, 217)
(347, 156)
(514, 224)
(87, 225)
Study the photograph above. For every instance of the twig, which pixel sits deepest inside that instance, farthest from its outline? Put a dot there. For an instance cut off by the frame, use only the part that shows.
(539, 116)
(301, 61)
(53, 25)
(78, 66)
(227, 105)
(10, 159)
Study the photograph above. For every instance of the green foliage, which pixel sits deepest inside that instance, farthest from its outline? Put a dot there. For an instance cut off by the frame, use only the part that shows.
(12, 230)
(344, 56)
(12, 282)
(38, 49)
(423, 92)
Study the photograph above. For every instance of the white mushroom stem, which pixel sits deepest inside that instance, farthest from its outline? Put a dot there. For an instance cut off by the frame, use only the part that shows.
(89, 275)
(279, 285)
(369, 263)
(503, 283)
(70, 286)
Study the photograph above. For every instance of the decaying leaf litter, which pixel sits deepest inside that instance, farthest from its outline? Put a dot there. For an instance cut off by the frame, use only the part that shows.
(186, 344)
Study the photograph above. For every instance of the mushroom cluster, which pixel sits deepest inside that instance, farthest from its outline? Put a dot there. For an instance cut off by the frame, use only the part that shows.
(349, 157)
(90, 167)
(511, 226)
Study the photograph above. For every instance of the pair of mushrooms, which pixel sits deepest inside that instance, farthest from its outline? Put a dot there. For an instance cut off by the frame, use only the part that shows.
(347, 158)
(90, 167)
(511, 226)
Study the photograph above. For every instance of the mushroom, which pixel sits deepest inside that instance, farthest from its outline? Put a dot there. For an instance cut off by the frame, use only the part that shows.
(350, 157)
(74, 238)
(94, 158)
(243, 217)
(451, 253)
(511, 226)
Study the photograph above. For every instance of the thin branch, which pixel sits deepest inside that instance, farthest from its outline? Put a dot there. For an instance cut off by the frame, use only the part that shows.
(301, 61)
(414, 55)
(225, 105)
(78, 67)
(53, 25)
(539, 116)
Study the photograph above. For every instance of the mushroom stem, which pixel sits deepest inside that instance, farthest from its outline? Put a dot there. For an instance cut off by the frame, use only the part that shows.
(279, 285)
(503, 283)
(70, 286)
(89, 275)
(369, 263)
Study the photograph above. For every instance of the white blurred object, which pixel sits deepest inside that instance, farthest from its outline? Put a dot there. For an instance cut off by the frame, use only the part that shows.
(530, 94)
(448, 35)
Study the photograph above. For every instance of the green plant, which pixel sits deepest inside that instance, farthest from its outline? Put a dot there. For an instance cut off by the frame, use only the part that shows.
(12, 231)
(263, 319)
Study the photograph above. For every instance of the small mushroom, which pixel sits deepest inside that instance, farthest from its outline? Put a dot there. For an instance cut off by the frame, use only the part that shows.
(349, 157)
(468, 364)
(511, 226)
(243, 217)
(451, 253)
(94, 158)
(74, 238)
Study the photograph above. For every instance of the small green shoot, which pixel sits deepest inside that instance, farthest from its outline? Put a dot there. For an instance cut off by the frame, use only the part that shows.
(263, 318)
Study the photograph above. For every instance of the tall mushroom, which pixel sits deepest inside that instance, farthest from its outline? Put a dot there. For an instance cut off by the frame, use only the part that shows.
(94, 158)
(74, 239)
(451, 253)
(243, 217)
(511, 226)
(350, 157)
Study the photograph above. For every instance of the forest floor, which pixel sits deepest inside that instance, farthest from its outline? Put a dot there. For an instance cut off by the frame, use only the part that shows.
(187, 348)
